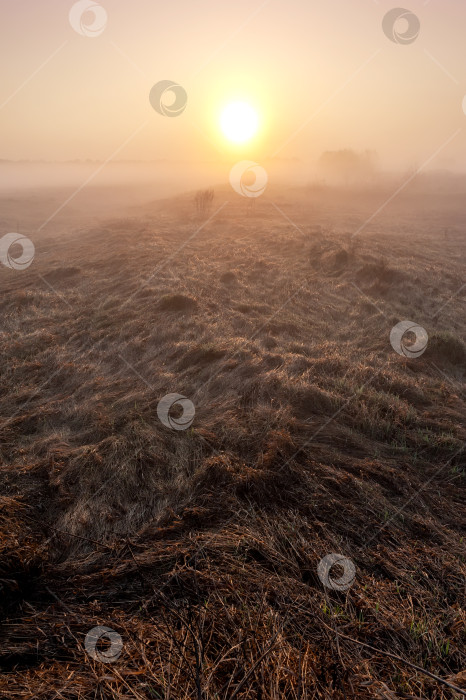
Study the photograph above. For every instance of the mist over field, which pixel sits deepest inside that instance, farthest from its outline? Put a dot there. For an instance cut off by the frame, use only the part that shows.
(233, 350)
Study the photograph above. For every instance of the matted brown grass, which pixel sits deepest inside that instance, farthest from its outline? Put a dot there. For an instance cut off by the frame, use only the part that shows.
(311, 436)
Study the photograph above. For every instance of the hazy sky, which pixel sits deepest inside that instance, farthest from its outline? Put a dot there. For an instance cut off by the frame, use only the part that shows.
(321, 73)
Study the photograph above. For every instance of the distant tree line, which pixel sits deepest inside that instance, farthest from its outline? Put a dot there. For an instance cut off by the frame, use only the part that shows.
(347, 166)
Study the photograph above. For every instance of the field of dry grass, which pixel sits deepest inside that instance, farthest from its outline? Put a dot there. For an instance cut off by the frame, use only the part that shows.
(311, 436)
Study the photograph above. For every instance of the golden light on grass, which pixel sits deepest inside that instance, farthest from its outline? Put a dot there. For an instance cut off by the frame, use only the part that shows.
(239, 122)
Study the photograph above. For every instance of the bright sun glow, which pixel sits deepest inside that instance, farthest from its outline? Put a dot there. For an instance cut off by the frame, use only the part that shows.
(239, 122)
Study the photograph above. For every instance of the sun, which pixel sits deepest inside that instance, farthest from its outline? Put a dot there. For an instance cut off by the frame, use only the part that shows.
(239, 122)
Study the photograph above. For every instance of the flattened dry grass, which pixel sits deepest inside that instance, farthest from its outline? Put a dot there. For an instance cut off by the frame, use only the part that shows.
(311, 436)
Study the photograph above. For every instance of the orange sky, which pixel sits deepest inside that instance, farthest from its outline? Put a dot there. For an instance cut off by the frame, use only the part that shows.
(321, 74)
